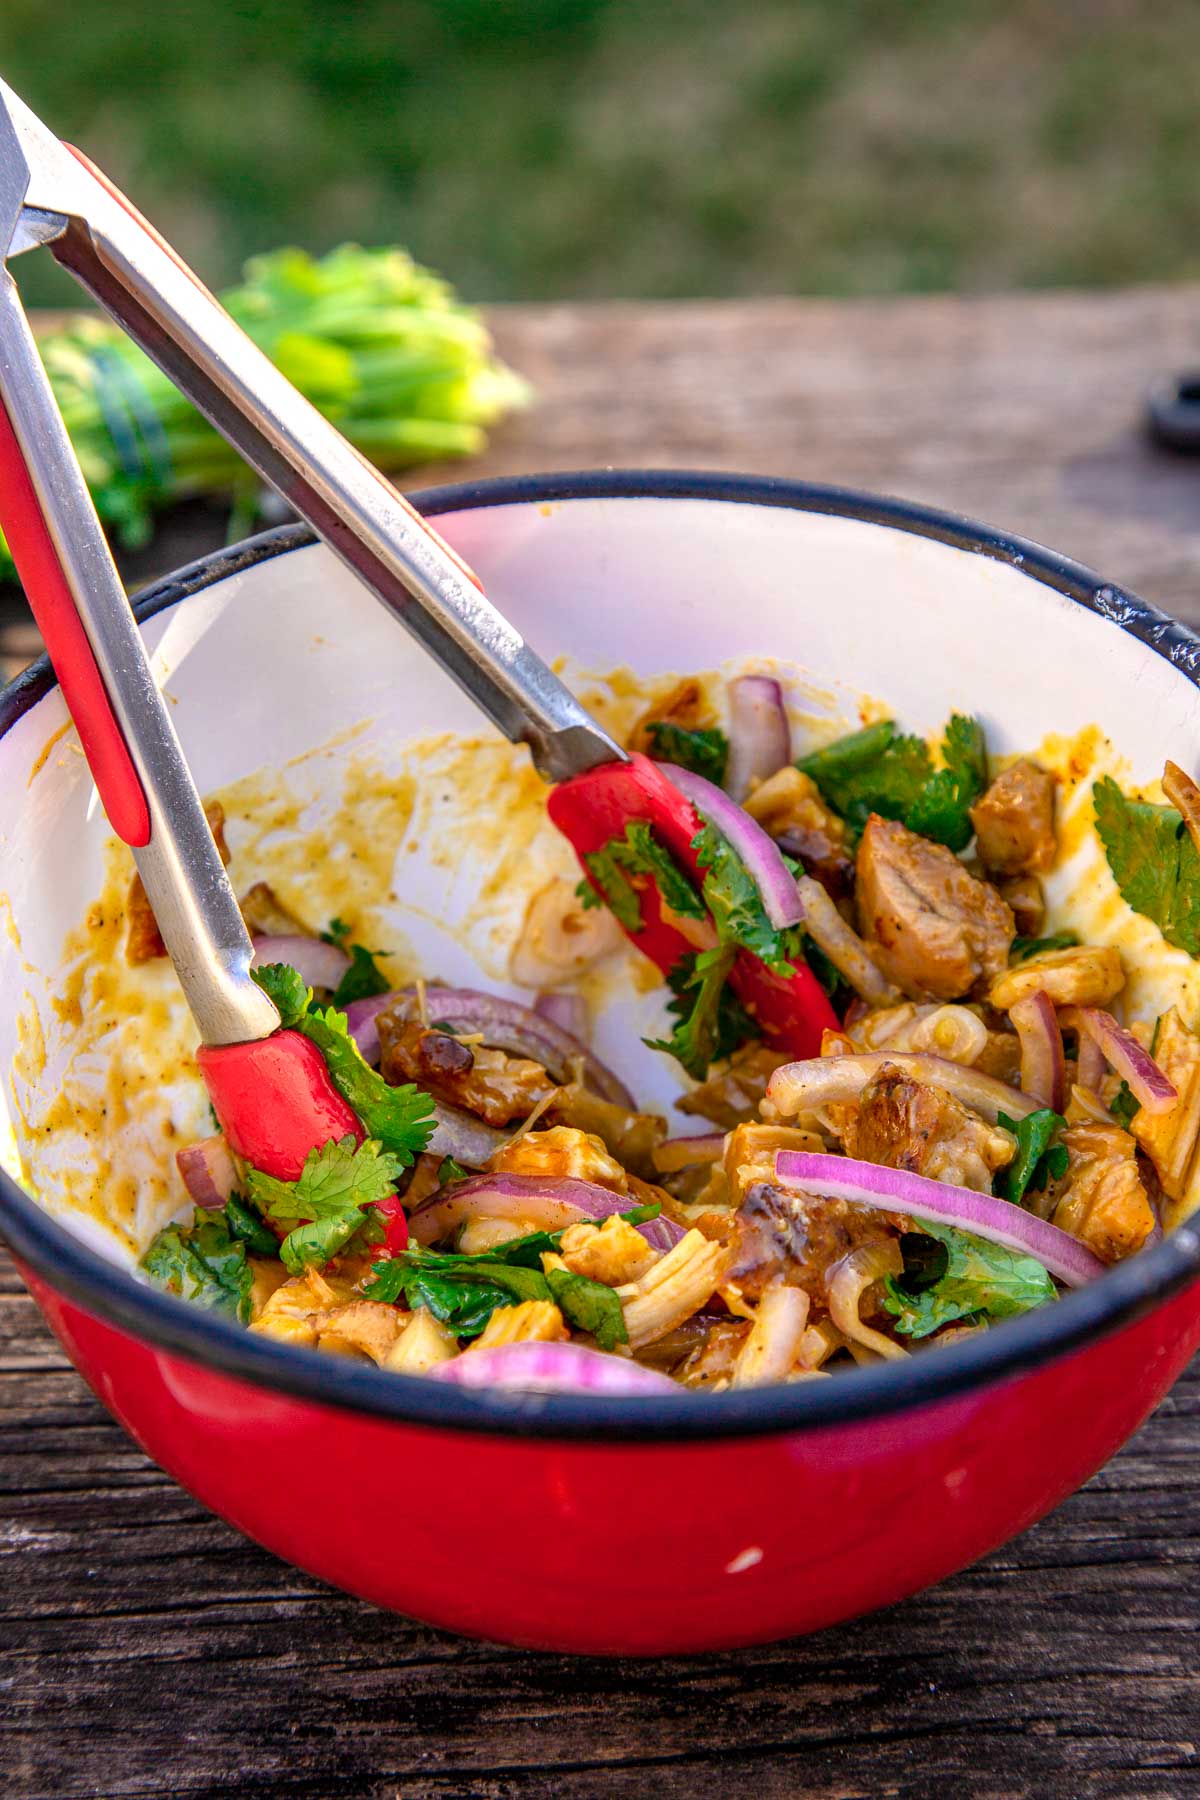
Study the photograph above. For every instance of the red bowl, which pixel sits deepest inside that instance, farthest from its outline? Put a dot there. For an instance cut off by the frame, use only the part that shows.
(675, 1523)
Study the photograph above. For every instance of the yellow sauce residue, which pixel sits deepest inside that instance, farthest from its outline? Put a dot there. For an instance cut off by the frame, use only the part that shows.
(43, 755)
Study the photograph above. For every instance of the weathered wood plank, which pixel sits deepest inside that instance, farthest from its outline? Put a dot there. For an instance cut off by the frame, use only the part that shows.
(147, 1650)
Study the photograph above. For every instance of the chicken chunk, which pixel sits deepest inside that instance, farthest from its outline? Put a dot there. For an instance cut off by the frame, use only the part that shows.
(423, 1343)
(265, 915)
(1169, 1138)
(562, 1151)
(794, 1237)
(732, 1094)
(750, 1152)
(631, 1136)
(614, 1252)
(363, 1328)
(1103, 1201)
(1083, 975)
(497, 1087)
(933, 929)
(532, 1322)
(1014, 821)
(905, 1124)
(678, 1284)
(143, 941)
(789, 807)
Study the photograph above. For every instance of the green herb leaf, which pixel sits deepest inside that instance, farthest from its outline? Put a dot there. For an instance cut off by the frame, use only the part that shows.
(245, 1224)
(292, 996)
(978, 1279)
(1023, 947)
(1123, 1107)
(362, 980)
(336, 1183)
(590, 1306)
(1035, 1161)
(449, 1170)
(885, 771)
(203, 1263)
(401, 1118)
(637, 853)
(733, 899)
(703, 752)
(465, 1306)
(711, 1021)
(1154, 862)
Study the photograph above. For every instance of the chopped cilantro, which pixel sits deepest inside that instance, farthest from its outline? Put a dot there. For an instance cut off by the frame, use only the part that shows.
(711, 1022)
(1153, 861)
(637, 853)
(885, 771)
(1037, 1160)
(735, 902)
(704, 752)
(291, 994)
(971, 1279)
(244, 1223)
(1023, 947)
(364, 978)
(589, 1305)
(204, 1263)
(401, 1118)
(336, 1183)
(1123, 1107)
(449, 1170)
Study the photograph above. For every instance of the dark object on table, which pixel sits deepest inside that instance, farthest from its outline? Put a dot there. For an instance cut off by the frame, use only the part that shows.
(1173, 412)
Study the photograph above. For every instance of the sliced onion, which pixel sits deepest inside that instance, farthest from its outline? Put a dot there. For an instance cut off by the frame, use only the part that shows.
(1090, 1064)
(805, 1086)
(208, 1172)
(1043, 1068)
(568, 1011)
(547, 1202)
(319, 964)
(1147, 1083)
(553, 1369)
(844, 948)
(464, 1137)
(868, 1184)
(760, 739)
(688, 1152)
(505, 1024)
(760, 854)
(1184, 796)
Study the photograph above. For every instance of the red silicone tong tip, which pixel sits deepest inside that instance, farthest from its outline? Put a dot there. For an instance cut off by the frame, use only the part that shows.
(275, 1101)
(593, 808)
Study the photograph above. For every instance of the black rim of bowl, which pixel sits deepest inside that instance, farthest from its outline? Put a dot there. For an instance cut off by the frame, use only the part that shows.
(1125, 1294)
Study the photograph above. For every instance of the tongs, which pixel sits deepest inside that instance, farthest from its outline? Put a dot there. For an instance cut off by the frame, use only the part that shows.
(270, 1087)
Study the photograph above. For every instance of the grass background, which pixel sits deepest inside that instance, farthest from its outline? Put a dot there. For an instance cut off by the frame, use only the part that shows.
(570, 148)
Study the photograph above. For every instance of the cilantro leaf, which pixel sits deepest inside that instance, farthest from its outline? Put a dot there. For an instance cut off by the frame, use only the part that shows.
(291, 994)
(465, 1306)
(885, 771)
(638, 853)
(620, 895)
(976, 1279)
(735, 903)
(711, 1021)
(244, 1223)
(1123, 1107)
(204, 1263)
(401, 1118)
(1035, 1160)
(1153, 861)
(336, 1183)
(590, 1306)
(363, 979)
(704, 752)
(1023, 947)
(449, 1170)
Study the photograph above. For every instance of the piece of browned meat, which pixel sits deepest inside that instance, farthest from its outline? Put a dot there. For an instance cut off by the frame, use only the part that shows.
(1014, 821)
(1103, 1200)
(686, 706)
(933, 929)
(794, 1237)
(143, 941)
(496, 1087)
(732, 1094)
(905, 1124)
(789, 807)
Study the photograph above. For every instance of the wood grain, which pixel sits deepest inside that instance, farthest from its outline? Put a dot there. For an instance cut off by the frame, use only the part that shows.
(148, 1650)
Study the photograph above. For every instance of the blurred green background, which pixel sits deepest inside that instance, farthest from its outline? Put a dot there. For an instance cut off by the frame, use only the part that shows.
(538, 149)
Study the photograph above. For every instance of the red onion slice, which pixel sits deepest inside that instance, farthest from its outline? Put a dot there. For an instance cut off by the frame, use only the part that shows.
(1090, 1065)
(464, 1137)
(505, 1024)
(1147, 1083)
(553, 1369)
(804, 1086)
(1043, 1068)
(760, 739)
(869, 1184)
(567, 1011)
(208, 1172)
(761, 855)
(319, 964)
(547, 1202)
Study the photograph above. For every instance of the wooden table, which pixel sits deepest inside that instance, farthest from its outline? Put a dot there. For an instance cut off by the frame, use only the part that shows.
(149, 1650)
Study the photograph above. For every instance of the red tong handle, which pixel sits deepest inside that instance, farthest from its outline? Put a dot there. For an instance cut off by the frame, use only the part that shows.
(594, 808)
(75, 664)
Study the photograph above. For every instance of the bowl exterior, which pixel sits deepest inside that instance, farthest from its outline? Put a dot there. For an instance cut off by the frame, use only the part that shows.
(632, 1549)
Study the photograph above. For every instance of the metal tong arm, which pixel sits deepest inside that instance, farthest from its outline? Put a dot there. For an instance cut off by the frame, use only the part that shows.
(137, 278)
(123, 722)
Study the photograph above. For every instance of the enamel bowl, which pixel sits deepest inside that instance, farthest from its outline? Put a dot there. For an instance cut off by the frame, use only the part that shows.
(656, 1524)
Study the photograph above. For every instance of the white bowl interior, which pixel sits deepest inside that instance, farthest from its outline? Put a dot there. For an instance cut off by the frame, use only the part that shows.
(269, 664)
